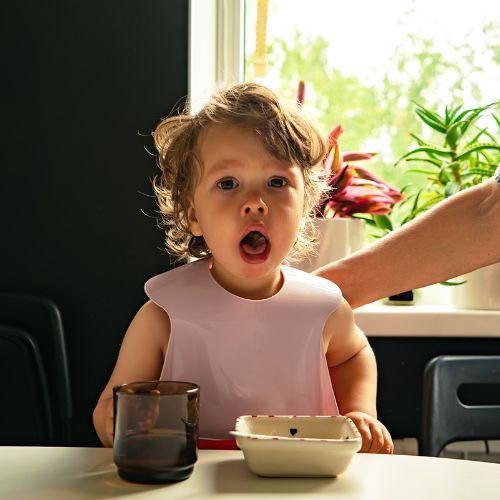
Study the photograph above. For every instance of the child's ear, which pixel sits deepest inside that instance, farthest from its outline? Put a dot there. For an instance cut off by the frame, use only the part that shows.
(194, 225)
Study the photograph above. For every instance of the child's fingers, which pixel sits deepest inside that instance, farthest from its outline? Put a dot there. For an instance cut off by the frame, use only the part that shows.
(377, 437)
(388, 444)
(381, 439)
(110, 429)
(366, 437)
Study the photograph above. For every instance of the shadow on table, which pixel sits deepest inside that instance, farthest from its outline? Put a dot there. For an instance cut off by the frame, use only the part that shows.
(103, 482)
(233, 476)
(227, 477)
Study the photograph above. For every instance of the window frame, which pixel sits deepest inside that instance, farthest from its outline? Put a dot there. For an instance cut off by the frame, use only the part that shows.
(215, 48)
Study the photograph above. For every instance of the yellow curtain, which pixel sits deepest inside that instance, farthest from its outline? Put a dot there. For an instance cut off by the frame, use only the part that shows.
(260, 56)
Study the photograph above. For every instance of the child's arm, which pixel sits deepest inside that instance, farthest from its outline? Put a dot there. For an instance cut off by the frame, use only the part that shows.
(140, 358)
(353, 372)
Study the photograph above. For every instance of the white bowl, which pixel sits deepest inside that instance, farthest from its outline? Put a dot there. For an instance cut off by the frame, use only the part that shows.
(297, 446)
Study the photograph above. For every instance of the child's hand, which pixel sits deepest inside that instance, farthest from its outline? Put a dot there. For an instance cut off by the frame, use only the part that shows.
(374, 435)
(104, 420)
(109, 422)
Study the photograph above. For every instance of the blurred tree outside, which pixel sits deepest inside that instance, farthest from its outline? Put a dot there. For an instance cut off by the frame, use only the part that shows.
(378, 116)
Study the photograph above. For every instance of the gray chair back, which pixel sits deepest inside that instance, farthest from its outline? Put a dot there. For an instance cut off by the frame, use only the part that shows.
(446, 418)
(41, 319)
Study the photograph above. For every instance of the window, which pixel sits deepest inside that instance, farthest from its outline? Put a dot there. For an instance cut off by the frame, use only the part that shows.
(365, 62)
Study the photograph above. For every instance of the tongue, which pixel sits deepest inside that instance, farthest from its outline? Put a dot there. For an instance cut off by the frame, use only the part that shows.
(255, 250)
(254, 243)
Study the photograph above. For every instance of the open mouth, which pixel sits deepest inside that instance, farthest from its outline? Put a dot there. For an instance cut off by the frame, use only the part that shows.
(255, 247)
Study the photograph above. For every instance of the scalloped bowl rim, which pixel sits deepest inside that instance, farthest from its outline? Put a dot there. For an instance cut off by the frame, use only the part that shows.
(266, 437)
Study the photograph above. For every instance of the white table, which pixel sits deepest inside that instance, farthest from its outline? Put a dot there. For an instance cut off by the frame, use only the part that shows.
(87, 473)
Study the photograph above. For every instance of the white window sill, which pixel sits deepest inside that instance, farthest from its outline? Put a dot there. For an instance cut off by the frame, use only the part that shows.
(430, 317)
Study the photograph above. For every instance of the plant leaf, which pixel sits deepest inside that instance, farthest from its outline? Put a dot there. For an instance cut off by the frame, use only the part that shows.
(491, 136)
(452, 112)
(426, 160)
(420, 141)
(477, 147)
(383, 222)
(465, 112)
(479, 172)
(453, 134)
(417, 209)
(431, 115)
(477, 136)
(469, 121)
(453, 283)
(434, 150)
(425, 171)
(415, 202)
(436, 125)
(472, 110)
(486, 156)
(437, 180)
(443, 177)
(368, 220)
(459, 127)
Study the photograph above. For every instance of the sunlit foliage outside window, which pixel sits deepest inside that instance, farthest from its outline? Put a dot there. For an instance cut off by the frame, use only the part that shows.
(365, 63)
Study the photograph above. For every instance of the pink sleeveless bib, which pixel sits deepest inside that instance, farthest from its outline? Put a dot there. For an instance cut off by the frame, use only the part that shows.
(257, 357)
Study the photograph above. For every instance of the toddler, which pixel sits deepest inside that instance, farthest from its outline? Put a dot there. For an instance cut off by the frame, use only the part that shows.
(237, 187)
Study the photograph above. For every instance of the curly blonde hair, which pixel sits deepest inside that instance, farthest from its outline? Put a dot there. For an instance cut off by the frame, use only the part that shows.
(286, 134)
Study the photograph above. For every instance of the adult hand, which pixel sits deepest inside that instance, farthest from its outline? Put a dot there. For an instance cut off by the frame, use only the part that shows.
(374, 435)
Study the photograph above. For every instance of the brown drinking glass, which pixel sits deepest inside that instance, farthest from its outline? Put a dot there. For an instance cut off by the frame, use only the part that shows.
(156, 430)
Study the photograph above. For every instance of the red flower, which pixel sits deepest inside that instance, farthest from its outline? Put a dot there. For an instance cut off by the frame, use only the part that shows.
(354, 189)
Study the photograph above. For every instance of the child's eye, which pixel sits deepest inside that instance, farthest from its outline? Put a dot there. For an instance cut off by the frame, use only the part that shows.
(227, 184)
(277, 182)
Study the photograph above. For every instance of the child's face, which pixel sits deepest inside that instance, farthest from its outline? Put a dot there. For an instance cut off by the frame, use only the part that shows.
(247, 205)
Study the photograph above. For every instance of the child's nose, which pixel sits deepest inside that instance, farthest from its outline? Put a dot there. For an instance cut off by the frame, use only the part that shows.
(254, 205)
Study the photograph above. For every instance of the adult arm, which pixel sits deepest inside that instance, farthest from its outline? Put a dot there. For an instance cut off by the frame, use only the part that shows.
(459, 235)
(140, 358)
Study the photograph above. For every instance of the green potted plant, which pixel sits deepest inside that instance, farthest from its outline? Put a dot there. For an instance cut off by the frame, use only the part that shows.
(462, 153)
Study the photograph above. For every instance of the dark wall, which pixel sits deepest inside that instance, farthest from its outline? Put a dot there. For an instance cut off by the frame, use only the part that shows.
(82, 80)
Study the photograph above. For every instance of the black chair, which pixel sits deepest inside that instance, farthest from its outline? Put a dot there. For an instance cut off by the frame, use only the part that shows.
(42, 320)
(446, 418)
(25, 416)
